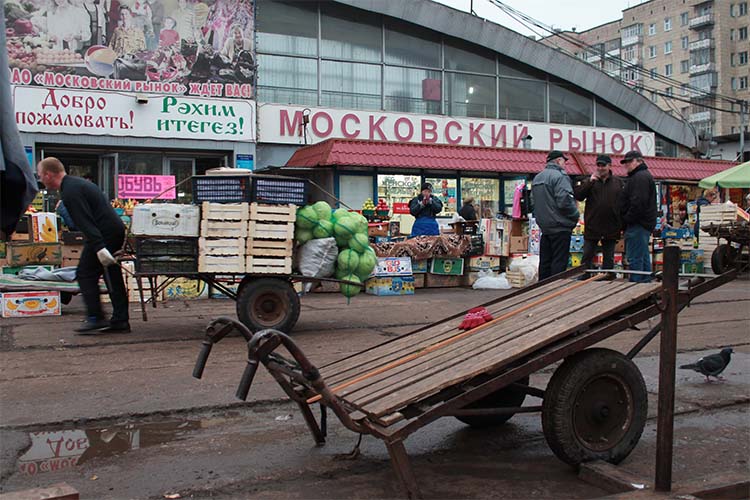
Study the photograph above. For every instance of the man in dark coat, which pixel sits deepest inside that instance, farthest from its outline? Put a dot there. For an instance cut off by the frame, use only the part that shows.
(638, 212)
(602, 214)
(424, 207)
(104, 235)
(556, 212)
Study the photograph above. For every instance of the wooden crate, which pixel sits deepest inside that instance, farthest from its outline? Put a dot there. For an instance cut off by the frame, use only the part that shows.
(273, 213)
(211, 228)
(232, 264)
(269, 248)
(224, 211)
(221, 246)
(269, 265)
(516, 279)
(270, 231)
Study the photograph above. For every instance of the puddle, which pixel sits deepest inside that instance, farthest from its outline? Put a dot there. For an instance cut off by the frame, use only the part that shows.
(53, 451)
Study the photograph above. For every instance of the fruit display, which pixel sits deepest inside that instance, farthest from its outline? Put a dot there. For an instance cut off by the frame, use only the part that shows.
(34, 53)
(356, 259)
(50, 57)
(382, 209)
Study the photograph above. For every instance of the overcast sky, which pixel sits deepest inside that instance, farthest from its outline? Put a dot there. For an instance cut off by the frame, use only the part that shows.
(564, 14)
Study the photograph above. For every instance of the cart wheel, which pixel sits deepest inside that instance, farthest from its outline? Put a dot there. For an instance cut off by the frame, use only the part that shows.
(507, 397)
(268, 303)
(723, 258)
(594, 407)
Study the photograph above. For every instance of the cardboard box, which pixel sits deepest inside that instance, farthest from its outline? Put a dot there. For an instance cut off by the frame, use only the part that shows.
(185, 288)
(575, 259)
(28, 304)
(576, 243)
(394, 228)
(72, 238)
(394, 285)
(484, 263)
(420, 266)
(24, 254)
(165, 219)
(442, 281)
(692, 268)
(3, 249)
(44, 227)
(419, 280)
(378, 229)
(447, 267)
(392, 266)
(516, 279)
(679, 233)
(519, 244)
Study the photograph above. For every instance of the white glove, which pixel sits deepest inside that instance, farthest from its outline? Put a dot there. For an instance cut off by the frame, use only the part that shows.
(105, 257)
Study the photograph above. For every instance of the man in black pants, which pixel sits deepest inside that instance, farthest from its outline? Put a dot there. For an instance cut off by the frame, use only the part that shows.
(556, 212)
(104, 233)
(602, 193)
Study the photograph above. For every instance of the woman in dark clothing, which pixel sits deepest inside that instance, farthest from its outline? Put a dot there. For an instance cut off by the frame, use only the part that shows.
(424, 208)
(468, 212)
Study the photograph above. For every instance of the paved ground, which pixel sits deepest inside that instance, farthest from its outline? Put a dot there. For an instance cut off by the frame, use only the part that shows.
(120, 417)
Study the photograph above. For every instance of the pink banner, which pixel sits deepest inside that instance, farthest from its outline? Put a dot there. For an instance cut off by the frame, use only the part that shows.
(141, 187)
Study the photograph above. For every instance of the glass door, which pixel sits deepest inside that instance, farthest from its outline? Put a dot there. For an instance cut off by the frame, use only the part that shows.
(108, 174)
(182, 169)
(445, 188)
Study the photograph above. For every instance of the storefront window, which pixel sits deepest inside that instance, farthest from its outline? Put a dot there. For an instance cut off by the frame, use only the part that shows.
(522, 100)
(349, 85)
(486, 194)
(412, 90)
(140, 163)
(344, 37)
(568, 106)
(398, 188)
(509, 190)
(462, 56)
(470, 95)
(287, 80)
(287, 28)
(609, 118)
(445, 189)
(407, 45)
(355, 189)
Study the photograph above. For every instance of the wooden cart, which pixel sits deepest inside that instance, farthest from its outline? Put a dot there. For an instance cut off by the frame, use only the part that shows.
(594, 407)
(735, 253)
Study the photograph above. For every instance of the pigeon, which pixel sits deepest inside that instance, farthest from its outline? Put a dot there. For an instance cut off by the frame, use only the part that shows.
(711, 365)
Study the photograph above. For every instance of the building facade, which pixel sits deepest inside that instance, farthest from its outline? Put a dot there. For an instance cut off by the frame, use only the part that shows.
(683, 54)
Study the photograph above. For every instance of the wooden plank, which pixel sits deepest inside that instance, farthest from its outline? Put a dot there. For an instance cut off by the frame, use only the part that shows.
(269, 265)
(492, 338)
(221, 264)
(223, 229)
(273, 213)
(261, 230)
(609, 477)
(387, 352)
(58, 491)
(492, 361)
(224, 211)
(221, 246)
(271, 248)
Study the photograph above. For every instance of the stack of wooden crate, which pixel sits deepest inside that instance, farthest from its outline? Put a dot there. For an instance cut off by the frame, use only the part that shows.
(221, 246)
(270, 239)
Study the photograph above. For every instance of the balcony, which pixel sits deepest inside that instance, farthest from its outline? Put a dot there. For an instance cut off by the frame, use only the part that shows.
(697, 69)
(593, 58)
(703, 116)
(631, 40)
(706, 43)
(700, 22)
(632, 61)
(614, 52)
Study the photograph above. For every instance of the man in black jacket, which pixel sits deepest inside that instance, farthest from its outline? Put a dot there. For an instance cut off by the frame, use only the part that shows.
(638, 212)
(602, 214)
(104, 234)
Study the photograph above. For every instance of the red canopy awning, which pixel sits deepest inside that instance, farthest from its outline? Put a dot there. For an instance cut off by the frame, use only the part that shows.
(359, 153)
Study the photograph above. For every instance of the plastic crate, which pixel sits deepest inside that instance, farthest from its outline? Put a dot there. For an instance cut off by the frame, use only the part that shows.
(279, 190)
(166, 265)
(156, 247)
(222, 188)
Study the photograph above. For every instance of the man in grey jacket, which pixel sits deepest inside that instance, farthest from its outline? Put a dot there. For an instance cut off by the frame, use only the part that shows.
(556, 212)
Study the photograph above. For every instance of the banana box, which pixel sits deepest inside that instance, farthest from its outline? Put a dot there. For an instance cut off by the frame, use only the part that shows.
(28, 304)
(44, 227)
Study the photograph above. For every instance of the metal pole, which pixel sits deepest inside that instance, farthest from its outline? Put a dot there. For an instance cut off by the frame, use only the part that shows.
(667, 362)
(743, 107)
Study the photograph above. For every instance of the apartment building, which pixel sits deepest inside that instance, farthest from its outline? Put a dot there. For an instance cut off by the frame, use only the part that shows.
(679, 53)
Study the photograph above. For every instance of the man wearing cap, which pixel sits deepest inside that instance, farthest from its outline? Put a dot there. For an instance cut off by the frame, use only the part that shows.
(556, 213)
(601, 192)
(424, 207)
(638, 212)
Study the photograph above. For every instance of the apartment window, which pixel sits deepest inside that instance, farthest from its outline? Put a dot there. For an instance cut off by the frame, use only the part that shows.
(742, 83)
(652, 51)
(668, 47)
(731, 35)
(668, 24)
(684, 18)
(652, 29)
(684, 42)
(669, 90)
(684, 66)
(742, 58)
(742, 33)
(731, 59)
(668, 70)
(652, 73)
(733, 83)
(684, 89)
(742, 9)
(654, 97)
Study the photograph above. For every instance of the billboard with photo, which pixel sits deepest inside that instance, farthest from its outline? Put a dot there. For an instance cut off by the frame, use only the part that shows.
(202, 48)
